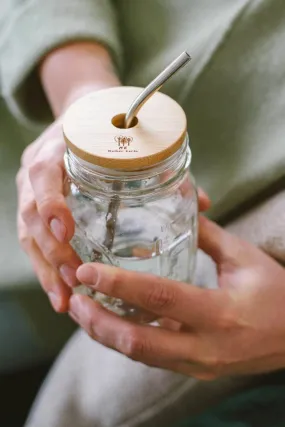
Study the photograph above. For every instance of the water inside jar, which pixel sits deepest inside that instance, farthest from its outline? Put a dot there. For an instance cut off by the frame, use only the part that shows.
(175, 262)
(157, 238)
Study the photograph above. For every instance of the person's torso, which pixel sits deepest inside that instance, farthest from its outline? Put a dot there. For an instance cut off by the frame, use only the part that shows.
(233, 90)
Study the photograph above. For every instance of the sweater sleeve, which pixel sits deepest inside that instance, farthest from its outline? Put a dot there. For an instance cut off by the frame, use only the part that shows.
(32, 28)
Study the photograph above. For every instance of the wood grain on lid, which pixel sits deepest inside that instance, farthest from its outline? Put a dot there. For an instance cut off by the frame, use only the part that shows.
(89, 132)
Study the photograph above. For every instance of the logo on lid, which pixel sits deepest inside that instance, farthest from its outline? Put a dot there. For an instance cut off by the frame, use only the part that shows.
(123, 141)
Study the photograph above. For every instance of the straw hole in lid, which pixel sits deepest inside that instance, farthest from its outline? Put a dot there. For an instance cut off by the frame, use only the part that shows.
(119, 121)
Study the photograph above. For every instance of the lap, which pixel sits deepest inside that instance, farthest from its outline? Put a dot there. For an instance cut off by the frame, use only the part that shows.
(93, 386)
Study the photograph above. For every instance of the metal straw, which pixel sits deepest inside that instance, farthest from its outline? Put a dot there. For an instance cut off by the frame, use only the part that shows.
(154, 86)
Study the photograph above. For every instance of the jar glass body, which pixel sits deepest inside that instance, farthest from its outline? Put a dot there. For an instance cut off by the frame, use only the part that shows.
(141, 220)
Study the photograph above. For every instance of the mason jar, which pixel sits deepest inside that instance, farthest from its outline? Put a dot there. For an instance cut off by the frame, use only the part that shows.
(136, 212)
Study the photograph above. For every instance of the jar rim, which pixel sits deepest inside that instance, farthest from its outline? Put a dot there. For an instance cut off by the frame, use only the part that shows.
(96, 179)
(127, 173)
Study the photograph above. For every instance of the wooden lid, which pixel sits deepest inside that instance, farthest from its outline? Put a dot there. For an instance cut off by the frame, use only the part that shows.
(90, 130)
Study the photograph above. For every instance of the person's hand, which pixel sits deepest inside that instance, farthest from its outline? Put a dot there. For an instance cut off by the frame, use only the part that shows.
(45, 224)
(238, 328)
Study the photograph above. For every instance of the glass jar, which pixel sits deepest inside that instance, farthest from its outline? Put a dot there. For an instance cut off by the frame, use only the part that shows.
(143, 220)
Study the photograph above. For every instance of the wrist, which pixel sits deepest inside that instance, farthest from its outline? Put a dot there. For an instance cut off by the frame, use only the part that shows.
(71, 71)
(83, 88)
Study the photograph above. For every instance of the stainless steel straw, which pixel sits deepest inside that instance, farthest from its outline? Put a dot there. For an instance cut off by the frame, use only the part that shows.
(154, 86)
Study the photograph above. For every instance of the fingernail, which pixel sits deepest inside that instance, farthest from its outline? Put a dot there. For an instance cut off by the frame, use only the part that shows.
(74, 307)
(88, 275)
(58, 229)
(55, 302)
(69, 275)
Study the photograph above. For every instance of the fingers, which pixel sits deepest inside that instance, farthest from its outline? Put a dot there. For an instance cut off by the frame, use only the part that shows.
(47, 177)
(50, 200)
(60, 255)
(169, 324)
(45, 224)
(48, 277)
(203, 200)
(184, 303)
(135, 341)
(154, 346)
(221, 245)
(31, 151)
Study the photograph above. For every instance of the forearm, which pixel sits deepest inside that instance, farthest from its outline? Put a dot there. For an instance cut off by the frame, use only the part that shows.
(70, 71)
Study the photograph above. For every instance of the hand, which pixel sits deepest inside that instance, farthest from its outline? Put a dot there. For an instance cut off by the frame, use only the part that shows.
(45, 224)
(237, 329)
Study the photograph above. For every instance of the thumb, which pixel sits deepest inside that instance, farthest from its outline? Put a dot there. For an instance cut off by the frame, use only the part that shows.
(221, 245)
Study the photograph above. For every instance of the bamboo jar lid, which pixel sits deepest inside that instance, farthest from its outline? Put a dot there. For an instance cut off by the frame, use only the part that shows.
(92, 129)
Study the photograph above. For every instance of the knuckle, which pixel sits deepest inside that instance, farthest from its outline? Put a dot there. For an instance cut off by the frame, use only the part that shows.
(19, 177)
(48, 206)
(51, 253)
(207, 376)
(37, 168)
(228, 321)
(95, 325)
(54, 253)
(91, 329)
(27, 154)
(28, 210)
(132, 345)
(214, 365)
(114, 280)
(26, 241)
(161, 296)
(48, 280)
